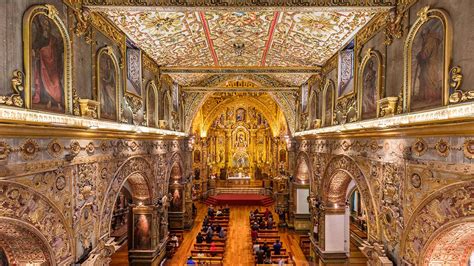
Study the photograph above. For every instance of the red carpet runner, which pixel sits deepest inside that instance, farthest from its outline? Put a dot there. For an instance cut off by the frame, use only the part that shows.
(240, 199)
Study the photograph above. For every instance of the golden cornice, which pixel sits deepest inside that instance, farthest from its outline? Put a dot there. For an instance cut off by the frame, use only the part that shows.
(241, 70)
(108, 29)
(243, 89)
(374, 26)
(56, 131)
(150, 64)
(330, 65)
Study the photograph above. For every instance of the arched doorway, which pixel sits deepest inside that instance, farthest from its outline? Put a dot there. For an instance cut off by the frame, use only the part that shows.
(345, 195)
(21, 244)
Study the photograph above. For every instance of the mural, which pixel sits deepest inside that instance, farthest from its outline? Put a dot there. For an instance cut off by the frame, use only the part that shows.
(107, 86)
(427, 66)
(134, 70)
(369, 88)
(142, 231)
(47, 65)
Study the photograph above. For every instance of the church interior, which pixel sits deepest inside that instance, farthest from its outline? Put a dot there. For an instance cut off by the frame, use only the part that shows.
(236, 132)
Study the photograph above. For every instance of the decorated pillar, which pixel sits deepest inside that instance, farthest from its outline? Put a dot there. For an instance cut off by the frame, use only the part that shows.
(144, 248)
(228, 141)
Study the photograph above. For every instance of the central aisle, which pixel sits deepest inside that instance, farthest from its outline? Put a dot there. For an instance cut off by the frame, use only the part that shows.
(238, 248)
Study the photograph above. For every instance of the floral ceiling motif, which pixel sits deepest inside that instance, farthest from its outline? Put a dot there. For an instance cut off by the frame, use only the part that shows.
(218, 38)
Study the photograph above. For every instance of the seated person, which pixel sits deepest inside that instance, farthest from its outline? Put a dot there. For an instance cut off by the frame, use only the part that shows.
(270, 224)
(190, 261)
(267, 213)
(208, 238)
(209, 230)
(263, 225)
(200, 254)
(174, 240)
(206, 220)
(256, 211)
(254, 235)
(218, 228)
(199, 238)
(256, 247)
(277, 247)
(222, 233)
(260, 256)
(213, 248)
(265, 247)
(252, 216)
(219, 212)
(255, 226)
(226, 209)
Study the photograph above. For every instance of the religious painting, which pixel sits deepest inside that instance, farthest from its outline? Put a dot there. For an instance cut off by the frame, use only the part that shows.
(47, 65)
(134, 70)
(142, 231)
(197, 156)
(283, 156)
(328, 104)
(175, 96)
(240, 115)
(304, 97)
(152, 109)
(346, 70)
(107, 84)
(176, 200)
(427, 65)
(369, 88)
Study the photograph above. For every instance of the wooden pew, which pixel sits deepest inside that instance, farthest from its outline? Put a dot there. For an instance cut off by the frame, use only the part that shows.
(207, 246)
(208, 253)
(209, 260)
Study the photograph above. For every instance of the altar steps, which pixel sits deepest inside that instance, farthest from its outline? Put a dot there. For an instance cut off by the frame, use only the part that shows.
(240, 190)
(240, 199)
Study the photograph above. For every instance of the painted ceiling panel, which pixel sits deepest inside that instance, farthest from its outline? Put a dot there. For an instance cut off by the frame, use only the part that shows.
(219, 38)
(311, 38)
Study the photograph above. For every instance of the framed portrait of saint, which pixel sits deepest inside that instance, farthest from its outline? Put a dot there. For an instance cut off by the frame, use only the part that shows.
(427, 61)
(134, 70)
(370, 83)
(47, 65)
(107, 83)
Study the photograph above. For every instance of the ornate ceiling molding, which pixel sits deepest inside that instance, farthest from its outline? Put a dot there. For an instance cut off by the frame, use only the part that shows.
(241, 70)
(227, 89)
(267, 5)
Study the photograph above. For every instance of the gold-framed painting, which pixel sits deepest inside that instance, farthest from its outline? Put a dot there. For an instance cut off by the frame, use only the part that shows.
(108, 83)
(370, 84)
(152, 104)
(328, 103)
(427, 57)
(47, 55)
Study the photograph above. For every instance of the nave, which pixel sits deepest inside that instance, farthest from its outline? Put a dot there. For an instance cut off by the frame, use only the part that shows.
(238, 249)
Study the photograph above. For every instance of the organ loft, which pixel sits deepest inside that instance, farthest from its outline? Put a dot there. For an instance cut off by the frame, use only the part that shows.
(235, 132)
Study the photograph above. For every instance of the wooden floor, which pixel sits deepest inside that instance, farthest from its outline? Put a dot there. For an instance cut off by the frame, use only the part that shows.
(238, 249)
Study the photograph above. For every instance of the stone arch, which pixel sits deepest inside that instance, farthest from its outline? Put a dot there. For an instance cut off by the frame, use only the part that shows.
(337, 176)
(303, 172)
(175, 162)
(451, 244)
(437, 214)
(138, 172)
(35, 212)
(23, 243)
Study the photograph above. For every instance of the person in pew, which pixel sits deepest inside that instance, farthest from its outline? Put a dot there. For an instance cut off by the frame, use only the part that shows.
(255, 247)
(218, 228)
(265, 247)
(254, 235)
(260, 256)
(175, 241)
(199, 238)
(270, 224)
(205, 221)
(213, 249)
(190, 261)
(281, 262)
(263, 225)
(267, 213)
(277, 247)
(252, 216)
(226, 209)
(255, 226)
(200, 254)
(256, 211)
(209, 238)
(209, 230)
(222, 233)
